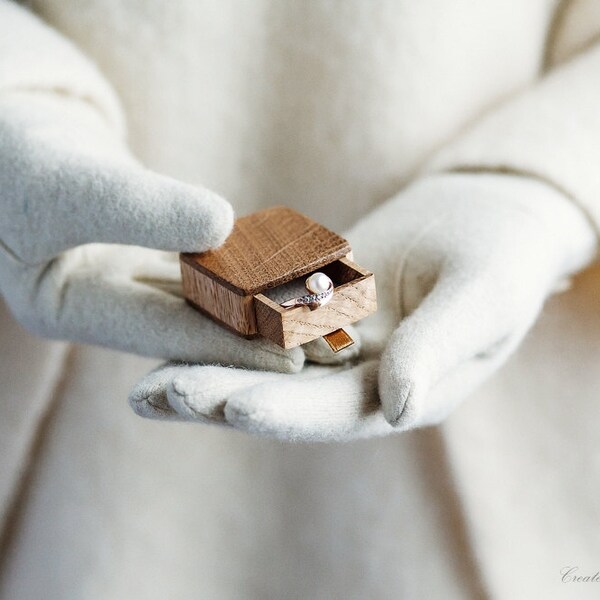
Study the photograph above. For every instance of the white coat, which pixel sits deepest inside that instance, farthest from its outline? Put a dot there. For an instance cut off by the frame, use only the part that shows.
(329, 107)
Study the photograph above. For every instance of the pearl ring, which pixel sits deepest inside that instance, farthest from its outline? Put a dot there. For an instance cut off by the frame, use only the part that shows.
(321, 291)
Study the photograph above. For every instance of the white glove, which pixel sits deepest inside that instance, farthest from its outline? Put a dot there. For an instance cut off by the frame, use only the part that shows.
(66, 181)
(70, 191)
(463, 264)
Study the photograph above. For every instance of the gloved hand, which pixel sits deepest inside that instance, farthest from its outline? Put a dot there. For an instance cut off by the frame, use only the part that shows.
(463, 264)
(70, 192)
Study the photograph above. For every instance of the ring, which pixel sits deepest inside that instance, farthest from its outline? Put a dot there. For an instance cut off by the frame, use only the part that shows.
(321, 291)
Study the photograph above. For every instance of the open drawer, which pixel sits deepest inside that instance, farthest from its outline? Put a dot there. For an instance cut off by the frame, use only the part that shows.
(353, 299)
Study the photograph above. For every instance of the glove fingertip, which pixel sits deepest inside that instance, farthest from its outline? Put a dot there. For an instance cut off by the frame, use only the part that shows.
(171, 215)
(397, 402)
(295, 359)
(201, 219)
(192, 404)
(238, 413)
(149, 403)
(397, 389)
(254, 412)
(219, 219)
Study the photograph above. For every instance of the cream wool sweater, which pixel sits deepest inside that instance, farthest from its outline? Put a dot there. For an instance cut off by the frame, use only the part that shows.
(330, 107)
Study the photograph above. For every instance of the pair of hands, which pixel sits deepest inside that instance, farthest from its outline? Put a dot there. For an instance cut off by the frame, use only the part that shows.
(463, 264)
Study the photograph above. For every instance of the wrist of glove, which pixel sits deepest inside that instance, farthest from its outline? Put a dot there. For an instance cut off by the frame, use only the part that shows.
(463, 266)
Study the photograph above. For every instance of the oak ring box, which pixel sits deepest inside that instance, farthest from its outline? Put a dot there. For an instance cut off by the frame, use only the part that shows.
(271, 248)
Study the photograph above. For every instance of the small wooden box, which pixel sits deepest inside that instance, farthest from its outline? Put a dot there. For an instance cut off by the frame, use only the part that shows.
(265, 261)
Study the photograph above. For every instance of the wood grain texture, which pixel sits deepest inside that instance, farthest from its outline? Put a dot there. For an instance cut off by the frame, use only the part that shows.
(354, 298)
(268, 248)
(266, 258)
(218, 302)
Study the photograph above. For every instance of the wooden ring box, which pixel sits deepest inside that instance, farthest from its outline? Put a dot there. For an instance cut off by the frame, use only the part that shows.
(265, 261)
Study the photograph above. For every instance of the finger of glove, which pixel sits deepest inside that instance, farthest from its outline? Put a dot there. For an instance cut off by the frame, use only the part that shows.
(105, 305)
(457, 385)
(340, 406)
(456, 321)
(319, 351)
(80, 200)
(148, 398)
(191, 392)
(199, 393)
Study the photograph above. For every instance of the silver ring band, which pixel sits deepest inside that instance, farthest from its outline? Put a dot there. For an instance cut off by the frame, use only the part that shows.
(318, 296)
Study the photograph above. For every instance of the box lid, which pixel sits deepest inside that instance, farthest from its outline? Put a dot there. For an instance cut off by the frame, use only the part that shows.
(268, 248)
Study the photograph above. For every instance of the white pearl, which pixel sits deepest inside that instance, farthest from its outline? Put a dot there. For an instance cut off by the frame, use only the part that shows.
(318, 282)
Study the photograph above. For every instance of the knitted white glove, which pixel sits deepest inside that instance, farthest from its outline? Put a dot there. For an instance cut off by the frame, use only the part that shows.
(70, 191)
(66, 180)
(463, 264)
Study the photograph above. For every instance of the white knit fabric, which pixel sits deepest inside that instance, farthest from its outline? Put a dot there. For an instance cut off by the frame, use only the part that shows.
(333, 107)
